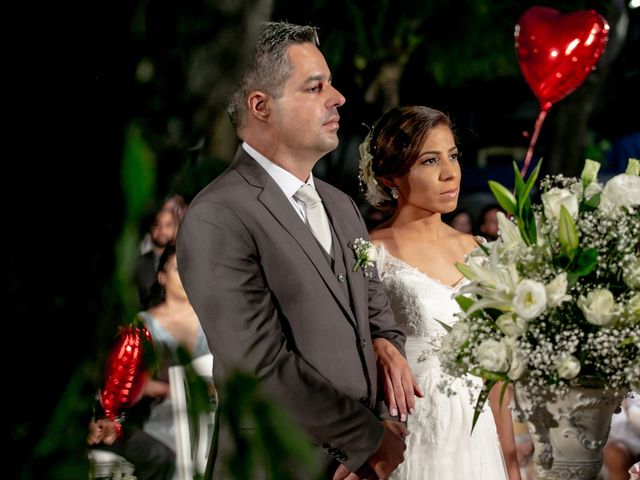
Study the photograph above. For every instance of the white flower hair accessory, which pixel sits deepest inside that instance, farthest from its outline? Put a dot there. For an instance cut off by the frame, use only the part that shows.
(373, 192)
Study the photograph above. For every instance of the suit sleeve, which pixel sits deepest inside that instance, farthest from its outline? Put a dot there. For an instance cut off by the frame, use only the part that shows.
(382, 323)
(220, 268)
(381, 319)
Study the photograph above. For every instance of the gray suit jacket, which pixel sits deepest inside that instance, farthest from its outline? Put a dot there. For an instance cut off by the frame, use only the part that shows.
(270, 303)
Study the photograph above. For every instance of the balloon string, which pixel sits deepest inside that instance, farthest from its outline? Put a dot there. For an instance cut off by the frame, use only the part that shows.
(534, 138)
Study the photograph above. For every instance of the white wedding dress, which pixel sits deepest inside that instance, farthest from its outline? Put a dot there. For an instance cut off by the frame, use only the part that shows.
(440, 445)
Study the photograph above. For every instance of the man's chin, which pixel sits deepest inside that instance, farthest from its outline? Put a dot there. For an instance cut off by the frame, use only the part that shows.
(330, 144)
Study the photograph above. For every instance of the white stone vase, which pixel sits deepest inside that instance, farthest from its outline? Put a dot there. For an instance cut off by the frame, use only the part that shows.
(570, 434)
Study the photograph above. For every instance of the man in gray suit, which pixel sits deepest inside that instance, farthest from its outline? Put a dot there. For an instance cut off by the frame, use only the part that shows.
(271, 298)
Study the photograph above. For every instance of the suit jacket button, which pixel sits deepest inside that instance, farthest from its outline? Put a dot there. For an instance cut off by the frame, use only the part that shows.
(363, 341)
(341, 278)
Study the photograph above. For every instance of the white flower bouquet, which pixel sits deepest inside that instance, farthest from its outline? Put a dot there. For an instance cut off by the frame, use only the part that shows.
(555, 301)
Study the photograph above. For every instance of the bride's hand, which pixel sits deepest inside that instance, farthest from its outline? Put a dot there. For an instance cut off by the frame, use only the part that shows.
(400, 387)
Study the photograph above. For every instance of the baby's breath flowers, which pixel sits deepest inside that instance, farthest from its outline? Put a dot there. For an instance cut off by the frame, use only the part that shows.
(555, 301)
(366, 256)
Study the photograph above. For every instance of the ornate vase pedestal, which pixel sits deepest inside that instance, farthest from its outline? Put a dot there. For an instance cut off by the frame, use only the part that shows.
(570, 434)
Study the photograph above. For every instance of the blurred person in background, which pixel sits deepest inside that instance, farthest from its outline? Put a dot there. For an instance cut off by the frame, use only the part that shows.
(162, 233)
(460, 219)
(173, 325)
(488, 222)
(622, 450)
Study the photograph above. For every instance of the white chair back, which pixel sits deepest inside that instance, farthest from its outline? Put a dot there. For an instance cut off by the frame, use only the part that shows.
(191, 449)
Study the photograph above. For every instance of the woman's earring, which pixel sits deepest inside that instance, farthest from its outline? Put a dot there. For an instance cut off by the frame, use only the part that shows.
(394, 193)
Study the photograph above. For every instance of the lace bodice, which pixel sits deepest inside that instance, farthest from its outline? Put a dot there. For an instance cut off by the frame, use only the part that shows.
(418, 301)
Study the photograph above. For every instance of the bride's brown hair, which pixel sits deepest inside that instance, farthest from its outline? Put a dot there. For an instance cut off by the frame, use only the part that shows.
(397, 138)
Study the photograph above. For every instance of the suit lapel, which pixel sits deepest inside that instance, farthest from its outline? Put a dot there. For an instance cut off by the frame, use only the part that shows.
(275, 201)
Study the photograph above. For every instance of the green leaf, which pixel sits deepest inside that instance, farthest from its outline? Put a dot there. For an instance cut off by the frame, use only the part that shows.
(464, 302)
(466, 270)
(586, 261)
(527, 224)
(446, 326)
(524, 213)
(567, 233)
(592, 203)
(504, 197)
(531, 180)
(519, 184)
(482, 399)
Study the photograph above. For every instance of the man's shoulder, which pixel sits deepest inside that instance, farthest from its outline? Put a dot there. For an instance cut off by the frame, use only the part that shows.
(225, 186)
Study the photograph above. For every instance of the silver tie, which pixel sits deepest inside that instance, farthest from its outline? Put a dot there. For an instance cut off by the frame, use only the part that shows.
(316, 216)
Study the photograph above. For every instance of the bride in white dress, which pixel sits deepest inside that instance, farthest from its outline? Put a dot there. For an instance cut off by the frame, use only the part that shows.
(410, 165)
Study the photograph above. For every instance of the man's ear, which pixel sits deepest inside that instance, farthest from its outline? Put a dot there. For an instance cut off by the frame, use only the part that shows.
(258, 103)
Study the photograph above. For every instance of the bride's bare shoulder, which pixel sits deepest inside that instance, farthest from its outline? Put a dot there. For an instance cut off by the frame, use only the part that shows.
(465, 240)
(380, 235)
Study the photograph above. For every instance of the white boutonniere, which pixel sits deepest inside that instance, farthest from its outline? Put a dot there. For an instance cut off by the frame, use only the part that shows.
(366, 256)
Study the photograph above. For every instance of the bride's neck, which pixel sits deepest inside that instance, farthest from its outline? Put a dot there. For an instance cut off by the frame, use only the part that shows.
(423, 227)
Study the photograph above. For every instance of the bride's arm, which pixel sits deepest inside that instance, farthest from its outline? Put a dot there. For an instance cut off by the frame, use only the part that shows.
(504, 426)
(399, 383)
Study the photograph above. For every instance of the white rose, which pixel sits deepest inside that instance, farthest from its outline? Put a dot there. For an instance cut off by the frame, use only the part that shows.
(621, 191)
(568, 367)
(556, 290)
(632, 274)
(592, 190)
(557, 197)
(599, 307)
(530, 299)
(518, 364)
(512, 324)
(493, 356)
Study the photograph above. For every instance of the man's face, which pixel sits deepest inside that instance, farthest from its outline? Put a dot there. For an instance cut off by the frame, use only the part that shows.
(305, 117)
(164, 229)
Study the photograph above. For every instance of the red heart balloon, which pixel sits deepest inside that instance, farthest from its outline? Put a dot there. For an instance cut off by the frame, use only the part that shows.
(125, 373)
(556, 51)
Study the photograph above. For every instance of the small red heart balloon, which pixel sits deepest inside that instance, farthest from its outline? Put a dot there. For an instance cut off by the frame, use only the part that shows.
(125, 372)
(556, 51)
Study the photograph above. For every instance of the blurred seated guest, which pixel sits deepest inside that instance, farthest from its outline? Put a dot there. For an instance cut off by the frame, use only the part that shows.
(488, 226)
(622, 450)
(461, 220)
(173, 326)
(172, 323)
(151, 458)
(163, 233)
